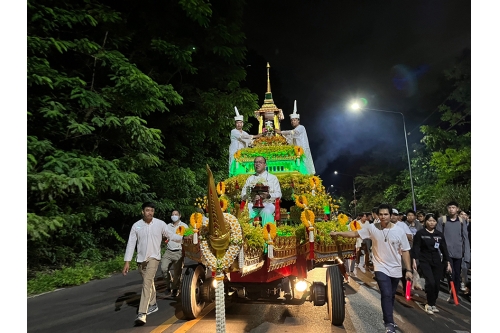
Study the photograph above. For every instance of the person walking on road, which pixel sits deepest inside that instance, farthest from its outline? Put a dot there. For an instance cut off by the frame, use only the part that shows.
(454, 229)
(147, 234)
(172, 258)
(389, 245)
(427, 244)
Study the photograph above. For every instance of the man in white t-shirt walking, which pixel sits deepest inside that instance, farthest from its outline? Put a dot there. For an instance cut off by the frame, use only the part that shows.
(389, 244)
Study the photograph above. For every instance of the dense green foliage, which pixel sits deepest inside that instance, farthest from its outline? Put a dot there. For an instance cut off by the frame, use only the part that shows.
(124, 106)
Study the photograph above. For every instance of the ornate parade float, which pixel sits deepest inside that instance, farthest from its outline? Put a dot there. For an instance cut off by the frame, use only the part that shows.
(242, 260)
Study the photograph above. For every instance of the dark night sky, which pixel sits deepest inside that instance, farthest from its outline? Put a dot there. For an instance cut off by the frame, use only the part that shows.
(325, 53)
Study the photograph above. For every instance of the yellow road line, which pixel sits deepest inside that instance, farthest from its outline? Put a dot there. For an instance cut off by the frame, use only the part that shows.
(165, 325)
(188, 325)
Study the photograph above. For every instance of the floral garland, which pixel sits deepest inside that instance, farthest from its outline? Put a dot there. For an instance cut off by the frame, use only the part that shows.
(298, 151)
(223, 204)
(221, 264)
(342, 218)
(269, 230)
(314, 181)
(355, 225)
(221, 188)
(301, 201)
(180, 230)
(307, 218)
(196, 221)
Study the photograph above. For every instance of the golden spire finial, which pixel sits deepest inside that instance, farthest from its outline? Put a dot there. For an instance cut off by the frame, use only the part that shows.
(268, 79)
(218, 229)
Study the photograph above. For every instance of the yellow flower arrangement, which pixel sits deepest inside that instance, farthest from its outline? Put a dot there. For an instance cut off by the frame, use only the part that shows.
(269, 230)
(342, 218)
(180, 230)
(223, 204)
(237, 155)
(355, 225)
(307, 218)
(221, 188)
(195, 221)
(314, 181)
(301, 201)
(270, 141)
(298, 151)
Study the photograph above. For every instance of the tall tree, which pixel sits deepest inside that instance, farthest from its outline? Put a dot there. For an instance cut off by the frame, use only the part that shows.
(127, 101)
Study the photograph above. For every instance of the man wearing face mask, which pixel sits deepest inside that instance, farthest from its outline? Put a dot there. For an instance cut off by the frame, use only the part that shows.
(172, 258)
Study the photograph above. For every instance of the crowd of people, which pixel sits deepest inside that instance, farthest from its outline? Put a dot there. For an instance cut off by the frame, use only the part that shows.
(402, 245)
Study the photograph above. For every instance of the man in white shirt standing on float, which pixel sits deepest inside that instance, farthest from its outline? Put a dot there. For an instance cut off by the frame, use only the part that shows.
(147, 234)
(298, 137)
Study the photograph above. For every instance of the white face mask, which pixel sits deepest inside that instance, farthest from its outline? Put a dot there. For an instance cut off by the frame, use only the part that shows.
(174, 218)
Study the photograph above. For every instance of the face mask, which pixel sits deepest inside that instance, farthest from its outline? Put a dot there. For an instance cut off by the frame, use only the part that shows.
(174, 218)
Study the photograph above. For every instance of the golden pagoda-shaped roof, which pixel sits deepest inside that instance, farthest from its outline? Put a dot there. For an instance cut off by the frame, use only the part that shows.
(269, 109)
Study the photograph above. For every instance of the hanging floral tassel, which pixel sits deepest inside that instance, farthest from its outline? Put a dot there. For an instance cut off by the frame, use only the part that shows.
(311, 242)
(270, 247)
(220, 308)
(195, 236)
(241, 258)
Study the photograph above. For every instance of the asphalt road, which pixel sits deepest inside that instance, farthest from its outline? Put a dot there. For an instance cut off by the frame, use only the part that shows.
(110, 305)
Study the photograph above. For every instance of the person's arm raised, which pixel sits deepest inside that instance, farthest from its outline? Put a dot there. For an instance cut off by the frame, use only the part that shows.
(348, 234)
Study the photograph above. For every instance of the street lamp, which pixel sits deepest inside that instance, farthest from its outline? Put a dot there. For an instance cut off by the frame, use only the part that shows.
(358, 106)
(353, 187)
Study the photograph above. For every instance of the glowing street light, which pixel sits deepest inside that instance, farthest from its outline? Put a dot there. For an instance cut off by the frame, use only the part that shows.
(358, 106)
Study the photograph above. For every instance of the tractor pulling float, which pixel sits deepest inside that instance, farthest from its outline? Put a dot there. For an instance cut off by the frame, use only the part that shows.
(241, 260)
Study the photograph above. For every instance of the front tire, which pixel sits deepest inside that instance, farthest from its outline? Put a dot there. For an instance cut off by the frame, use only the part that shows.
(191, 298)
(335, 295)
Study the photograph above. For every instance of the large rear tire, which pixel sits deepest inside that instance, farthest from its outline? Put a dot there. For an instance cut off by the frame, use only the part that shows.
(191, 298)
(335, 295)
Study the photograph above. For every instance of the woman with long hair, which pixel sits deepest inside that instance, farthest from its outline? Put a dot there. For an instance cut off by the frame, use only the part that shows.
(428, 243)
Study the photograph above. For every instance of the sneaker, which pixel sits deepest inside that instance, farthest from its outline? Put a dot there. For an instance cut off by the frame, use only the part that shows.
(361, 268)
(434, 309)
(140, 319)
(462, 286)
(428, 309)
(390, 328)
(152, 308)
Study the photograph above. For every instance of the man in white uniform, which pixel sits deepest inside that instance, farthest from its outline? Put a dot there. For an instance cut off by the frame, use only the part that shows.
(389, 242)
(268, 198)
(239, 138)
(298, 137)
